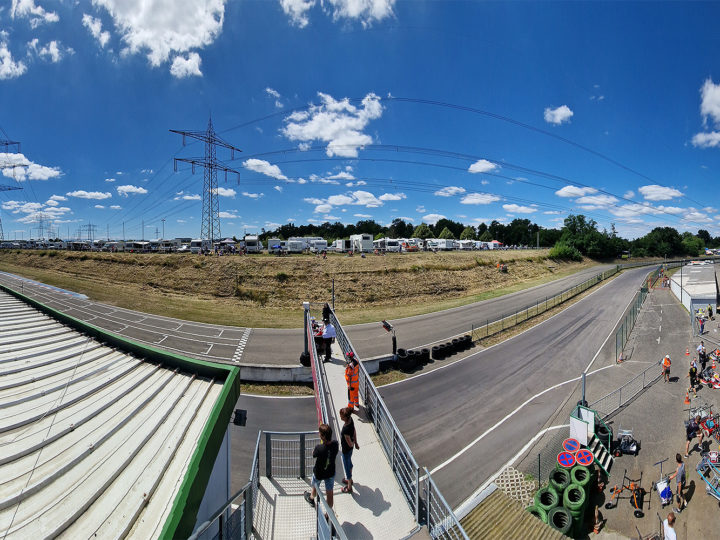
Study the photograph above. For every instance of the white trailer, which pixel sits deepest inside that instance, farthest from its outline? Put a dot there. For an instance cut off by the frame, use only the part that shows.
(342, 246)
(441, 244)
(392, 245)
(295, 245)
(252, 244)
(198, 245)
(466, 245)
(362, 243)
(275, 245)
(317, 246)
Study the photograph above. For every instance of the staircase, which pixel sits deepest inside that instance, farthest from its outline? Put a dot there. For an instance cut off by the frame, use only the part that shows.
(603, 457)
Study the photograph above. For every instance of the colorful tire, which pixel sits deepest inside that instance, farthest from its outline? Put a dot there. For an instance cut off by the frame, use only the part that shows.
(581, 476)
(538, 513)
(559, 480)
(574, 498)
(560, 519)
(547, 498)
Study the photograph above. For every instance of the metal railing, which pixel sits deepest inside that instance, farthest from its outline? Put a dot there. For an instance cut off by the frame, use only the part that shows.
(490, 328)
(401, 459)
(327, 527)
(288, 454)
(319, 382)
(616, 399)
(238, 523)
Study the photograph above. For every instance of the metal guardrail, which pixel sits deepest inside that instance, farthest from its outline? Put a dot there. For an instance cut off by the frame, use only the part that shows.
(288, 454)
(397, 451)
(504, 322)
(613, 401)
(319, 382)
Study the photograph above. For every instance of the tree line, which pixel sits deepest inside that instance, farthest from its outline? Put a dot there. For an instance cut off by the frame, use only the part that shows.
(578, 237)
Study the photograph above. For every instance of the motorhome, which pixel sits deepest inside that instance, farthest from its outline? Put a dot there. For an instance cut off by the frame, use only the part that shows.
(318, 245)
(137, 246)
(252, 244)
(466, 245)
(295, 245)
(441, 244)
(342, 246)
(392, 245)
(168, 246)
(198, 245)
(362, 242)
(275, 245)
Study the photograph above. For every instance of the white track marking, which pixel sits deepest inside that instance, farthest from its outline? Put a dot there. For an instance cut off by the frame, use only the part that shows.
(241, 346)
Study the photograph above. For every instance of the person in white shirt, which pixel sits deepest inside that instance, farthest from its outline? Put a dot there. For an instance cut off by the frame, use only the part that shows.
(669, 527)
(328, 336)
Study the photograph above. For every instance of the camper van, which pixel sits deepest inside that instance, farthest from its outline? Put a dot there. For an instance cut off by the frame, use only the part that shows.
(362, 243)
(318, 245)
(466, 245)
(198, 246)
(392, 245)
(275, 245)
(252, 244)
(295, 245)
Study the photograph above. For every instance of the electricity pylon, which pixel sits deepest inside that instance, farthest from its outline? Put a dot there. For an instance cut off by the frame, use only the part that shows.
(5, 144)
(210, 228)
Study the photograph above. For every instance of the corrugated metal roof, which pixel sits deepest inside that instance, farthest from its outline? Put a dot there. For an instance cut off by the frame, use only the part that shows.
(94, 442)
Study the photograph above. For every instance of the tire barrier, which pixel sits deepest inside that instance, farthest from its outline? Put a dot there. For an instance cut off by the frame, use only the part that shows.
(559, 480)
(547, 499)
(574, 499)
(560, 519)
(455, 347)
(436, 354)
(538, 513)
(425, 355)
(581, 476)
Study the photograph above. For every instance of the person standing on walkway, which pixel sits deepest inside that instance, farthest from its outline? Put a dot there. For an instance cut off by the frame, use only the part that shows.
(692, 375)
(666, 367)
(679, 476)
(325, 454)
(701, 324)
(352, 378)
(669, 527)
(326, 312)
(329, 336)
(702, 355)
(348, 442)
(691, 431)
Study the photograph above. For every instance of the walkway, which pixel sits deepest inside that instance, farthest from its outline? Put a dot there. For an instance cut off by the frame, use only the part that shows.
(378, 508)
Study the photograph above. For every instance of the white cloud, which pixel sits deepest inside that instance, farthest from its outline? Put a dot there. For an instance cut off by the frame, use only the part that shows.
(225, 192)
(553, 212)
(109, 179)
(58, 198)
(338, 123)
(517, 209)
(710, 101)
(95, 27)
(278, 188)
(36, 14)
(51, 202)
(115, 207)
(628, 194)
(366, 199)
(392, 196)
(264, 167)
(99, 206)
(232, 214)
(558, 115)
(187, 197)
(710, 139)
(597, 200)
(479, 198)
(574, 191)
(481, 166)
(323, 208)
(53, 51)
(654, 192)
(363, 216)
(20, 168)
(252, 195)
(126, 190)
(186, 66)
(366, 11)
(297, 11)
(342, 175)
(163, 28)
(449, 191)
(82, 194)
(9, 68)
(272, 92)
(339, 200)
(432, 219)
(404, 218)
(697, 216)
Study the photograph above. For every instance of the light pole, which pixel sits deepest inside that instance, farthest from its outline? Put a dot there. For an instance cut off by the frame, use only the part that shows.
(389, 327)
(163, 222)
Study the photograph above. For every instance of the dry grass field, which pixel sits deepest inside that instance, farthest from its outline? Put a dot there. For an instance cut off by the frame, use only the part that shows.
(267, 291)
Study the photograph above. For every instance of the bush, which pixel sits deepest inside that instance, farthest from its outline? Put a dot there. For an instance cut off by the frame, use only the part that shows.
(564, 251)
(282, 277)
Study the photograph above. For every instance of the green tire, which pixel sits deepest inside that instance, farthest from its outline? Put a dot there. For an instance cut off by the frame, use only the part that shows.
(581, 476)
(538, 513)
(560, 519)
(559, 480)
(547, 498)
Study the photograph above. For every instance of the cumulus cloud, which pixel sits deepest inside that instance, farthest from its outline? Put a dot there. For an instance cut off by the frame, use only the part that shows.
(558, 115)
(323, 208)
(232, 214)
(552, 212)
(359, 198)
(335, 122)
(9, 68)
(99, 206)
(20, 168)
(479, 198)
(225, 192)
(53, 51)
(58, 198)
(162, 29)
(710, 112)
(654, 192)
(597, 200)
(342, 175)
(363, 216)
(95, 27)
(186, 196)
(276, 95)
(252, 195)
(710, 139)
(449, 191)
(36, 14)
(186, 66)
(366, 12)
(628, 194)
(82, 194)
(574, 191)
(517, 209)
(432, 219)
(278, 188)
(481, 166)
(109, 179)
(264, 167)
(115, 207)
(392, 196)
(297, 10)
(128, 189)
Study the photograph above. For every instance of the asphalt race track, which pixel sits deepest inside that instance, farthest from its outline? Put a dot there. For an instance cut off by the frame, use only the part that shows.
(445, 410)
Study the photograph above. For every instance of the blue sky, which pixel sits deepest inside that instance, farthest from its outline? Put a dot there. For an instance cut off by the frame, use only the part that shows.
(359, 109)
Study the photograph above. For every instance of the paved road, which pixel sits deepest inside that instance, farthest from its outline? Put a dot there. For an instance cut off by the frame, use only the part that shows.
(442, 412)
(281, 346)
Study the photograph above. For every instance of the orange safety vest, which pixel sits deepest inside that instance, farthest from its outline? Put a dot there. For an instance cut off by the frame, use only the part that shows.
(352, 375)
(666, 362)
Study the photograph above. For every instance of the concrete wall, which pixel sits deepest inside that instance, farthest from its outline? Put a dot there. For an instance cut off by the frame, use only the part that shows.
(217, 492)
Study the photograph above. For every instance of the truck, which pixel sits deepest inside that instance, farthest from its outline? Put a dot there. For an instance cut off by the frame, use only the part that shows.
(362, 243)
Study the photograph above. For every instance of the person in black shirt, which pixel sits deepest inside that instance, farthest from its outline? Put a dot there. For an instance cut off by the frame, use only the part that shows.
(348, 441)
(325, 454)
(326, 312)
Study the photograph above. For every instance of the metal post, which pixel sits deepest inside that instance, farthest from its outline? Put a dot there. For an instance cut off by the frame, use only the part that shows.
(268, 456)
(306, 311)
(248, 513)
(333, 294)
(302, 455)
(417, 495)
(583, 388)
(538, 476)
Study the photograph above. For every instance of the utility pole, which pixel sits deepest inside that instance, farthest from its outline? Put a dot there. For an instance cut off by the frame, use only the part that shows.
(123, 231)
(163, 222)
(210, 228)
(142, 233)
(157, 232)
(7, 145)
(107, 229)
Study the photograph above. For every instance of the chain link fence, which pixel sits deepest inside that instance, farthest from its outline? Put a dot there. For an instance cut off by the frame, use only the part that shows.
(607, 405)
(490, 328)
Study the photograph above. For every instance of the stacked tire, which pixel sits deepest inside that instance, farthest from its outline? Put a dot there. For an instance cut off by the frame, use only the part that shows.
(443, 350)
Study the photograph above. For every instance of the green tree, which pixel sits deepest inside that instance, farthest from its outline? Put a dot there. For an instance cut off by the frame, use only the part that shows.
(446, 234)
(468, 233)
(486, 236)
(400, 229)
(422, 231)
(379, 235)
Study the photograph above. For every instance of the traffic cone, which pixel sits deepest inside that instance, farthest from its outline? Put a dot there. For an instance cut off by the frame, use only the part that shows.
(687, 352)
(687, 398)
(620, 359)
(713, 364)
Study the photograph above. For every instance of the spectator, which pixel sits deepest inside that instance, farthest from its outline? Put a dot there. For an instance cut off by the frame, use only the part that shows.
(348, 442)
(701, 324)
(352, 378)
(669, 527)
(328, 338)
(692, 430)
(326, 312)
(679, 476)
(666, 367)
(702, 355)
(692, 375)
(325, 454)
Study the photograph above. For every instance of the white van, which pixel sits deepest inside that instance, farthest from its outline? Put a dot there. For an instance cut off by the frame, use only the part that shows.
(198, 245)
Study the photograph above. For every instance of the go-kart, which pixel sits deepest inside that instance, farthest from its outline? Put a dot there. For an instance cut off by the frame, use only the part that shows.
(710, 378)
(626, 443)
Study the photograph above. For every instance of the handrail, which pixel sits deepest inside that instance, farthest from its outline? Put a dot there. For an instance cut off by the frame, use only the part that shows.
(332, 531)
(205, 525)
(450, 516)
(317, 374)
